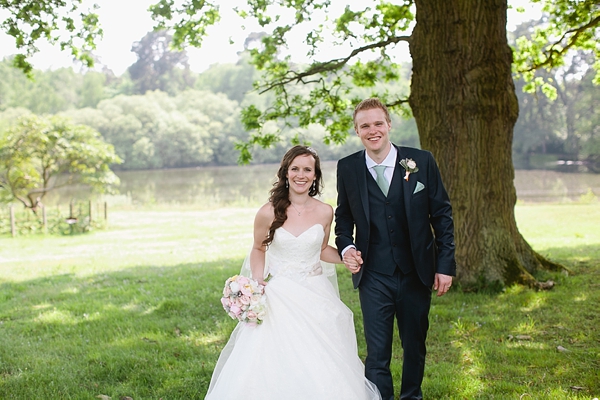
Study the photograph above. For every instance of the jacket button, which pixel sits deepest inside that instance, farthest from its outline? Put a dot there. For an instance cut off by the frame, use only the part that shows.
(389, 217)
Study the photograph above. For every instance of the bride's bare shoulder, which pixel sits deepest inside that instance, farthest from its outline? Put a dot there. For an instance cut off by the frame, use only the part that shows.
(324, 208)
(265, 212)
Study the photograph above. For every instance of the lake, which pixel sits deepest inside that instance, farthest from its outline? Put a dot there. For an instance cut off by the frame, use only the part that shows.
(210, 187)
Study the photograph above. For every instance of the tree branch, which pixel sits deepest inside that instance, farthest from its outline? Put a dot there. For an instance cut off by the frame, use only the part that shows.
(397, 103)
(332, 65)
(553, 54)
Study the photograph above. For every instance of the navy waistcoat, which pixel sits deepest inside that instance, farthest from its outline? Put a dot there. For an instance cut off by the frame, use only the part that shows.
(389, 241)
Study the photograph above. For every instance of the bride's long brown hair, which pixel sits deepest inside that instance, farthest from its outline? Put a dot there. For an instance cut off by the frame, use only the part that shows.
(280, 198)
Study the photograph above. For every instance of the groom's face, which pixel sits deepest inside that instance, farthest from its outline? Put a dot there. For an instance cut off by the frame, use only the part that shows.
(373, 128)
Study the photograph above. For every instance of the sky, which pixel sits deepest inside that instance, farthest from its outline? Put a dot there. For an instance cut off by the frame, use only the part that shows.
(127, 21)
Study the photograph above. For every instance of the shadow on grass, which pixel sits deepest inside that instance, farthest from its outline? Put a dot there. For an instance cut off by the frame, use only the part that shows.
(521, 342)
(145, 332)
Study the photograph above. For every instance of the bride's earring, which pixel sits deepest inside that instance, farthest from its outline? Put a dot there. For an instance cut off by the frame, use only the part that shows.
(287, 183)
(314, 185)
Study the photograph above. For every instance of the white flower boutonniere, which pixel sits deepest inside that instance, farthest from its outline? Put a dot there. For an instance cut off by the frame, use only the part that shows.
(410, 166)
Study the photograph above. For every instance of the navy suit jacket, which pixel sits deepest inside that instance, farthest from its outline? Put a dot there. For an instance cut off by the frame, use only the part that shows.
(428, 212)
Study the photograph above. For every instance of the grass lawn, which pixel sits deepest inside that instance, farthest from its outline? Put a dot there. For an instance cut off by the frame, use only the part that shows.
(134, 311)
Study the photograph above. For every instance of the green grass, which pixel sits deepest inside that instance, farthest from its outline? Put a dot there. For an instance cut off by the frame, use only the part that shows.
(134, 311)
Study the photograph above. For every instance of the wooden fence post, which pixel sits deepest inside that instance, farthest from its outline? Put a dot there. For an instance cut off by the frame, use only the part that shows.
(90, 210)
(12, 221)
(105, 211)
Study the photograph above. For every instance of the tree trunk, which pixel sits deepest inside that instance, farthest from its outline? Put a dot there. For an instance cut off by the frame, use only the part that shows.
(463, 100)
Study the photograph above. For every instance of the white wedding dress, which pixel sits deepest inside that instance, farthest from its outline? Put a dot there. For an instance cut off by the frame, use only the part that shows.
(306, 347)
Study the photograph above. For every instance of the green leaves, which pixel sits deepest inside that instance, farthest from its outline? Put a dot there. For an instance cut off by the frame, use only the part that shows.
(323, 97)
(69, 26)
(189, 21)
(567, 25)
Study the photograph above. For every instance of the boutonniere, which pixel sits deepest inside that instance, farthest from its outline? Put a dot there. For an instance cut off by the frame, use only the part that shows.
(410, 166)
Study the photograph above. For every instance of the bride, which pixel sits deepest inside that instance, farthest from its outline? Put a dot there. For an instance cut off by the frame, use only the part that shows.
(306, 346)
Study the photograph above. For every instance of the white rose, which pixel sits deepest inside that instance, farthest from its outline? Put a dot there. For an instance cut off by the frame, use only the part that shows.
(234, 286)
(411, 164)
(255, 299)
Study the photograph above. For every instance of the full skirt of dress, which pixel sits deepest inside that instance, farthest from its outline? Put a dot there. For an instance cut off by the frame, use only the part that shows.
(305, 349)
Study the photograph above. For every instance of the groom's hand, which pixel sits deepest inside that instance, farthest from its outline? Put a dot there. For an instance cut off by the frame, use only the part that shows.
(353, 260)
(442, 284)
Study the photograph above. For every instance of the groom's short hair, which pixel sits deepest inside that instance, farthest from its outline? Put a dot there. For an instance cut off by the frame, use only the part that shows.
(369, 104)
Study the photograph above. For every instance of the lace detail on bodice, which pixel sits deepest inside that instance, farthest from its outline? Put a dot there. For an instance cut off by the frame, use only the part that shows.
(296, 257)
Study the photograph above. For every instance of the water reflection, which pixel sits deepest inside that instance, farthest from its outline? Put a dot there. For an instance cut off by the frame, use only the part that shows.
(249, 186)
(553, 186)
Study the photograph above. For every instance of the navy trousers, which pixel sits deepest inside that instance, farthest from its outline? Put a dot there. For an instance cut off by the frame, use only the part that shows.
(402, 297)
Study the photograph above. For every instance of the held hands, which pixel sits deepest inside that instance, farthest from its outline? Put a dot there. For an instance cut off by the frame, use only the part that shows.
(442, 284)
(353, 260)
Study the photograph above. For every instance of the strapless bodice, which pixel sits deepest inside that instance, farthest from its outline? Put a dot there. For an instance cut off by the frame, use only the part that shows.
(296, 256)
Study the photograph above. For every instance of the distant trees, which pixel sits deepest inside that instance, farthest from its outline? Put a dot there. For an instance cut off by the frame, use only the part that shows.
(566, 127)
(86, 97)
(40, 154)
(51, 91)
(161, 131)
(234, 80)
(158, 67)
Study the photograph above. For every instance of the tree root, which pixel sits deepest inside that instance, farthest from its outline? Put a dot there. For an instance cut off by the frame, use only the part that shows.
(550, 265)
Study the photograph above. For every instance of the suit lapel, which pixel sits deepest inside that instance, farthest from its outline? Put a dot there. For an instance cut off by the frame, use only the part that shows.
(361, 176)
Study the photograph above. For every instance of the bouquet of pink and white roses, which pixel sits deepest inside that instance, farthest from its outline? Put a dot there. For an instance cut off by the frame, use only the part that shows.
(243, 299)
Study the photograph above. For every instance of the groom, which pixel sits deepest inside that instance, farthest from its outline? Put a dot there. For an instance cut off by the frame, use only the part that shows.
(404, 244)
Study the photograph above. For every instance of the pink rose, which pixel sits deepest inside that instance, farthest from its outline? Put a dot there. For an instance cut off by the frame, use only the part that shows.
(244, 300)
(252, 316)
(235, 309)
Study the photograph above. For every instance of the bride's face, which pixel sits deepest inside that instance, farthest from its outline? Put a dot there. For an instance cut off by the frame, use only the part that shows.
(301, 173)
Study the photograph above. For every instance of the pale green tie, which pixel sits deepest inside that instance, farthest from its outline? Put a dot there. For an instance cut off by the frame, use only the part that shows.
(381, 181)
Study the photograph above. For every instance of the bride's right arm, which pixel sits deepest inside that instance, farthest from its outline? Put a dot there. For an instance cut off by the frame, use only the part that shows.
(262, 222)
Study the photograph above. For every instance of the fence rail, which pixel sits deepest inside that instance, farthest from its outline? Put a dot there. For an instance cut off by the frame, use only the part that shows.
(80, 217)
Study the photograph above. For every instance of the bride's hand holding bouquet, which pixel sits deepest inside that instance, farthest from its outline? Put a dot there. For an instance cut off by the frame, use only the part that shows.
(243, 299)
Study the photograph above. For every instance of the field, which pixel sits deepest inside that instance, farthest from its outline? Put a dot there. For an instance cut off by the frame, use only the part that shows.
(134, 311)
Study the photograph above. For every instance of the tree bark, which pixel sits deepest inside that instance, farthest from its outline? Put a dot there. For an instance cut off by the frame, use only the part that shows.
(464, 103)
